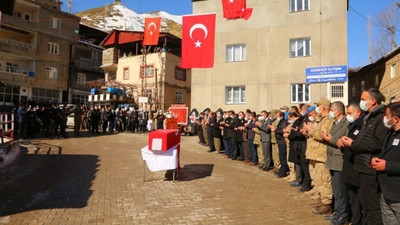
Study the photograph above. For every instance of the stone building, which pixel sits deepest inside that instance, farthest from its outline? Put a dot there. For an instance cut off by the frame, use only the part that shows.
(260, 63)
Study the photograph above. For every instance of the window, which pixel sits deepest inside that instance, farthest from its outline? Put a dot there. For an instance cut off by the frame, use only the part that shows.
(300, 47)
(235, 95)
(11, 68)
(27, 17)
(362, 85)
(51, 73)
(236, 53)
(149, 93)
(21, 15)
(179, 97)
(126, 73)
(45, 95)
(81, 78)
(353, 91)
(299, 5)
(393, 71)
(148, 72)
(79, 99)
(10, 94)
(55, 23)
(376, 80)
(180, 74)
(300, 93)
(53, 48)
(337, 91)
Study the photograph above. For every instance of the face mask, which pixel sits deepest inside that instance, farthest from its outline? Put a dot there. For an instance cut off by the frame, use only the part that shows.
(278, 119)
(350, 118)
(317, 110)
(332, 114)
(261, 118)
(310, 118)
(290, 121)
(363, 105)
(284, 111)
(240, 117)
(386, 122)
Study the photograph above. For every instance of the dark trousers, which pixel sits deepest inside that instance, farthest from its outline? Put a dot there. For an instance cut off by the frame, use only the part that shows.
(253, 151)
(105, 125)
(304, 162)
(211, 140)
(233, 153)
(240, 150)
(267, 152)
(21, 130)
(341, 203)
(299, 173)
(355, 205)
(370, 200)
(95, 126)
(226, 146)
(246, 150)
(283, 159)
(201, 136)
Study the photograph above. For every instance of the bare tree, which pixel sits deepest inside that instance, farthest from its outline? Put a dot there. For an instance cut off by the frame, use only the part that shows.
(388, 25)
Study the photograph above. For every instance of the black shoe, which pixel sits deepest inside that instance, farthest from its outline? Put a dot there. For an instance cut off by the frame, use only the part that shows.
(295, 184)
(304, 189)
(330, 217)
(267, 168)
(234, 158)
(211, 150)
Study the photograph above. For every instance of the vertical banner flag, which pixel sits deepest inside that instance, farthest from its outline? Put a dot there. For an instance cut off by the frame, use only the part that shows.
(234, 9)
(198, 40)
(151, 31)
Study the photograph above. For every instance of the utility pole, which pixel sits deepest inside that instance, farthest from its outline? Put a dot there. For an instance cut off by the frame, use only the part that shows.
(156, 94)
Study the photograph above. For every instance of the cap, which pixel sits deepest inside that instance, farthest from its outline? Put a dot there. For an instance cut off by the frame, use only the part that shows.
(285, 108)
(324, 102)
(310, 109)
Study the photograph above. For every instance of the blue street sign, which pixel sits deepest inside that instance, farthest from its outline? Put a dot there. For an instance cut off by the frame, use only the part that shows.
(326, 74)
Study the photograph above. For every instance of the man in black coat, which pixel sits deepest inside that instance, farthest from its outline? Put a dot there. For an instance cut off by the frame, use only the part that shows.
(210, 127)
(280, 140)
(232, 127)
(350, 176)
(368, 144)
(387, 163)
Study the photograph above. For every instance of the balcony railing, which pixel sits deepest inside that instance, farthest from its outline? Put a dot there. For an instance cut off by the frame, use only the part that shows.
(18, 71)
(16, 45)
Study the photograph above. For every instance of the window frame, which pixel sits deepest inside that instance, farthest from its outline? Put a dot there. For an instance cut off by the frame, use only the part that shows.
(54, 70)
(58, 23)
(141, 71)
(297, 93)
(177, 68)
(393, 71)
(80, 75)
(53, 48)
(179, 96)
(294, 9)
(229, 100)
(243, 52)
(125, 71)
(337, 92)
(297, 40)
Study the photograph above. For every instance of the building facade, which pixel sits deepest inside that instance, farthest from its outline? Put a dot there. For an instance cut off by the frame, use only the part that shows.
(260, 63)
(86, 59)
(383, 74)
(35, 43)
(155, 75)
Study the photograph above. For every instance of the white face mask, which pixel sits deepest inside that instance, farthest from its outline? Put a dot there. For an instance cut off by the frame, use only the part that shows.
(310, 118)
(363, 105)
(261, 118)
(332, 114)
(386, 122)
(350, 118)
(291, 121)
(240, 117)
(278, 119)
(317, 110)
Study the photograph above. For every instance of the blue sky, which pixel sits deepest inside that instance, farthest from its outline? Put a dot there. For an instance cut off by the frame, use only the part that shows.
(357, 24)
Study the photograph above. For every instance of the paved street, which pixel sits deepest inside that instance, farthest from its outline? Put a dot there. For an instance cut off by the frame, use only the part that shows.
(99, 180)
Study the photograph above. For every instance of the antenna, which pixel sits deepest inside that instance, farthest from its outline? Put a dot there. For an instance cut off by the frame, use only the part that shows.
(69, 6)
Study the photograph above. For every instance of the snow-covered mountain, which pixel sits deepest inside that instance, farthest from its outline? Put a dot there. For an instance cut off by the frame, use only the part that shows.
(119, 17)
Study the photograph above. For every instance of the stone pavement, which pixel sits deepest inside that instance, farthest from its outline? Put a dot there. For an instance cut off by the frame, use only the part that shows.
(99, 180)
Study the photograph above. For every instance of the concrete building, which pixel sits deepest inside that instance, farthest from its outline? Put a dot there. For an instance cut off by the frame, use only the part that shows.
(383, 74)
(155, 75)
(260, 63)
(35, 43)
(86, 59)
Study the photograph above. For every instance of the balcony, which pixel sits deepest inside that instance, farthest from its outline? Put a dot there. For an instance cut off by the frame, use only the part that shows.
(19, 75)
(10, 46)
(88, 64)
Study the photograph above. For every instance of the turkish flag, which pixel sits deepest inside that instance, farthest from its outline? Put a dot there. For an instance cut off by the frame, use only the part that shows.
(234, 9)
(151, 30)
(198, 40)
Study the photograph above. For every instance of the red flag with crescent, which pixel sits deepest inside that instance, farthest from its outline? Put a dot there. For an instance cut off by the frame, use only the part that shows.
(151, 30)
(198, 41)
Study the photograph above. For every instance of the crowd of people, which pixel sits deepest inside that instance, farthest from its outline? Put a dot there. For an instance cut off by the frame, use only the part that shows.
(346, 158)
(51, 120)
